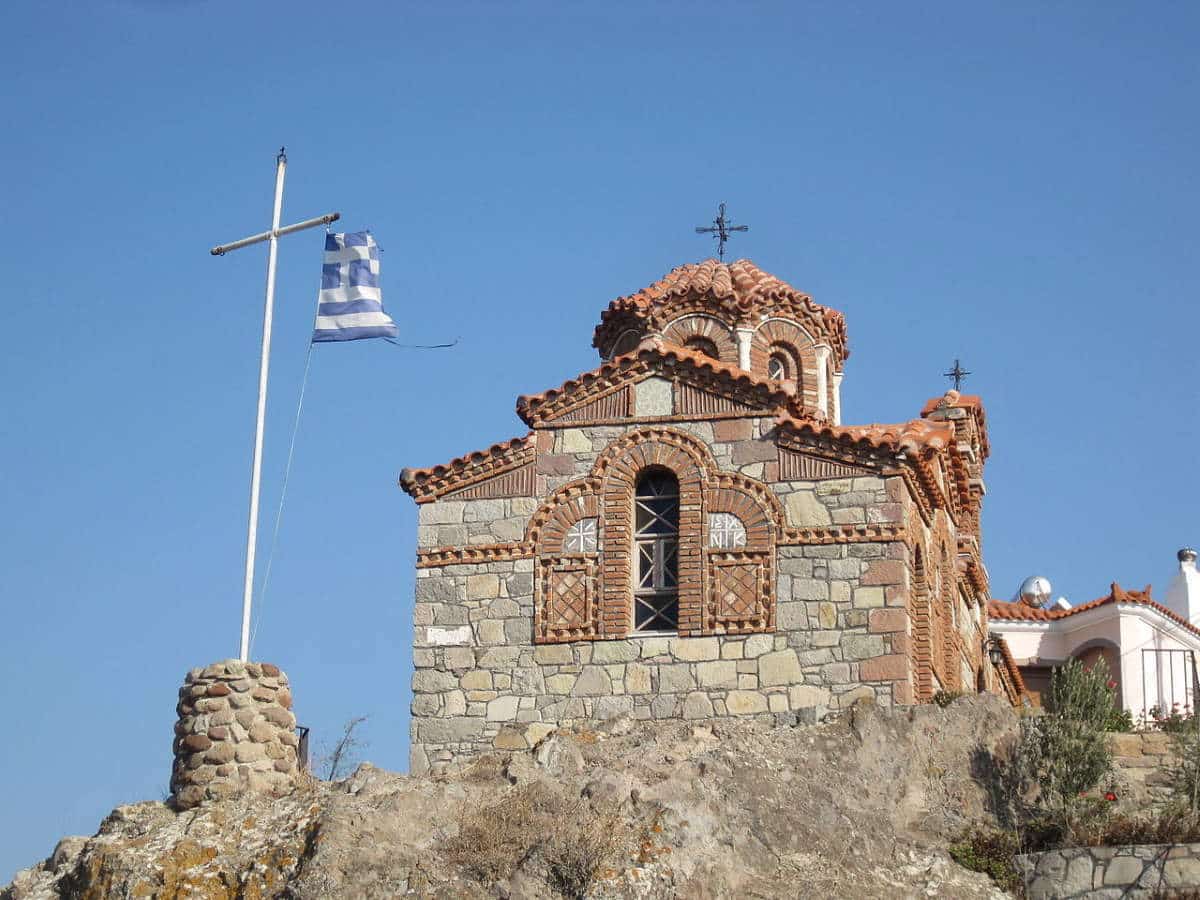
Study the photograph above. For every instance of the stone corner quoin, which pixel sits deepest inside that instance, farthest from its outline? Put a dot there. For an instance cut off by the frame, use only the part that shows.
(689, 532)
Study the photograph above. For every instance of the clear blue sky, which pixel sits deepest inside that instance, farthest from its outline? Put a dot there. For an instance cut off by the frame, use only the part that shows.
(1011, 183)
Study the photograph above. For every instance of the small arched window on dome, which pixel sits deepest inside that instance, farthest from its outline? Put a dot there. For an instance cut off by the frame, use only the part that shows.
(700, 344)
(781, 366)
(626, 343)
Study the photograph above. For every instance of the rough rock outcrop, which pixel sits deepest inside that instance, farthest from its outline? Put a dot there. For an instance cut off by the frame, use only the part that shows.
(857, 807)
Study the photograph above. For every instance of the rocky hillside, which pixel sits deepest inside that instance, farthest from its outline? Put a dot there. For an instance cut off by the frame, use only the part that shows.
(861, 806)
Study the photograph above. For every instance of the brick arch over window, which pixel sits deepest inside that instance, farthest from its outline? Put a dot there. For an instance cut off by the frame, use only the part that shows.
(752, 502)
(566, 590)
(708, 328)
(548, 525)
(741, 581)
(589, 596)
(795, 342)
(619, 467)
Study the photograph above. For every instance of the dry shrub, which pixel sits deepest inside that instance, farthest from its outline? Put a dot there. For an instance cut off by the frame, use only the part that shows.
(587, 843)
(489, 767)
(1166, 826)
(573, 840)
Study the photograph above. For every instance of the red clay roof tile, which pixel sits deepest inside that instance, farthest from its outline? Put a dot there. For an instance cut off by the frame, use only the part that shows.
(1019, 612)
(915, 435)
(774, 394)
(740, 287)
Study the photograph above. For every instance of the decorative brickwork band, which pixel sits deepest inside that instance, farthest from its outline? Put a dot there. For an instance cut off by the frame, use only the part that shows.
(610, 406)
(435, 557)
(695, 401)
(921, 642)
(806, 467)
(518, 482)
(883, 532)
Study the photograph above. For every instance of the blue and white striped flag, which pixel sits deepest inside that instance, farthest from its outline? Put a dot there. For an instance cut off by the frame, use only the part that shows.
(350, 306)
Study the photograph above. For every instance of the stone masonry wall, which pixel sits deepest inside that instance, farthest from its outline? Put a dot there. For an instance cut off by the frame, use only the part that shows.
(1109, 873)
(235, 732)
(481, 683)
(1140, 764)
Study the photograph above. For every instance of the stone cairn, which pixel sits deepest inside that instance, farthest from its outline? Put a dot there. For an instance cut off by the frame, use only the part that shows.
(236, 732)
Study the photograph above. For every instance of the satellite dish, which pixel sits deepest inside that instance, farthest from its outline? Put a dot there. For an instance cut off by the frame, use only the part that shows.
(1034, 591)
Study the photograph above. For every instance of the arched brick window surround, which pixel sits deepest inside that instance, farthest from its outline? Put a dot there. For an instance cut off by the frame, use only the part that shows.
(619, 467)
(720, 591)
(707, 327)
(785, 335)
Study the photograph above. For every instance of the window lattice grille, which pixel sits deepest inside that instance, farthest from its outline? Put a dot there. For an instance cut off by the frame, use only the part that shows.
(656, 536)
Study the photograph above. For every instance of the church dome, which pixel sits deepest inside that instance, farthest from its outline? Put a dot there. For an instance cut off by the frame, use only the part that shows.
(737, 295)
(742, 316)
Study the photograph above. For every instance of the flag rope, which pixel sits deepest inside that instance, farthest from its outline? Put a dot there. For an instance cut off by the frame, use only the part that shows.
(287, 472)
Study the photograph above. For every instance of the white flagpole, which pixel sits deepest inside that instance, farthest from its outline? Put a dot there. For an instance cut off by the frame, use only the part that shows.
(264, 364)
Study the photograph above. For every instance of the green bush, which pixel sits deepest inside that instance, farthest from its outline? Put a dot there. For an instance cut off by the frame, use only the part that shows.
(1067, 750)
(945, 698)
(1064, 753)
(1184, 771)
(1119, 720)
(990, 852)
(1171, 720)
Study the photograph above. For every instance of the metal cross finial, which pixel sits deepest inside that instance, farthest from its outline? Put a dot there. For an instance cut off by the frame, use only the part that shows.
(720, 230)
(958, 374)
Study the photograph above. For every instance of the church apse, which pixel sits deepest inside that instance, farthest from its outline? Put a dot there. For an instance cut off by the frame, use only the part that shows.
(680, 537)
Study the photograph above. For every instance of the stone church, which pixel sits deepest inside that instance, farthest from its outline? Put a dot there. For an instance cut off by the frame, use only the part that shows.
(689, 531)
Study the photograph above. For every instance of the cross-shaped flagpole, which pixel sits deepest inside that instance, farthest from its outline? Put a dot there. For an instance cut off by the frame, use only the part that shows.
(264, 362)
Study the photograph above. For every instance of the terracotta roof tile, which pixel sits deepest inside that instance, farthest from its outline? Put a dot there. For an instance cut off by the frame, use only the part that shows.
(778, 395)
(1019, 612)
(955, 400)
(426, 483)
(952, 398)
(741, 288)
(1010, 666)
(914, 436)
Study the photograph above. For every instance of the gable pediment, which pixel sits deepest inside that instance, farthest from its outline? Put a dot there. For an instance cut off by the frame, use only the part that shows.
(802, 466)
(654, 382)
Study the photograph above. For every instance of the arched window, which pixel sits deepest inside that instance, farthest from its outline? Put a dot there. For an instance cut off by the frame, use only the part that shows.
(626, 343)
(781, 365)
(656, 556)
(704, 345)
(777, 367)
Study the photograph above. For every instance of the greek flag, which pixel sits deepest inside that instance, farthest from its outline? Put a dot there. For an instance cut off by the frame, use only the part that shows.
(350, 306)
